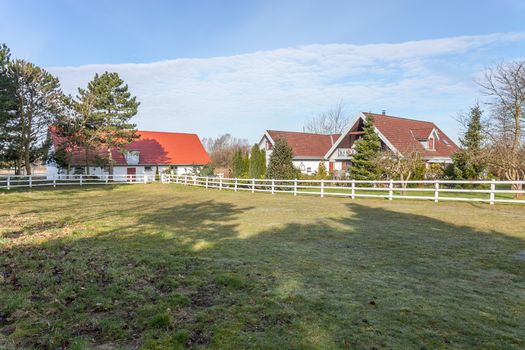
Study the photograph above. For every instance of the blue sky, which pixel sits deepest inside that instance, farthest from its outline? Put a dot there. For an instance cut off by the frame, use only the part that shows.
(243, 66)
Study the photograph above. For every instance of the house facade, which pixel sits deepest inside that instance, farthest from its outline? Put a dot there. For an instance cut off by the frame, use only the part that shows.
(182, 153)
(397, 134)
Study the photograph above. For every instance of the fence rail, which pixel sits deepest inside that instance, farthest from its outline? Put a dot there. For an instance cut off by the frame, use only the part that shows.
(473, 191)
(29, 181)
(437, 190)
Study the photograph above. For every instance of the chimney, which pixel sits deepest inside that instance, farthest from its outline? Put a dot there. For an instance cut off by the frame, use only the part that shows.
(383, 112)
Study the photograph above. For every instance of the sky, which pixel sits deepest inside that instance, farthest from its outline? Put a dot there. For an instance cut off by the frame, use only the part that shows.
(240, 67)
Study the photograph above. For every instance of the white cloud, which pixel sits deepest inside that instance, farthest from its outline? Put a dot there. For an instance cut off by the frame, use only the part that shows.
(248, 93)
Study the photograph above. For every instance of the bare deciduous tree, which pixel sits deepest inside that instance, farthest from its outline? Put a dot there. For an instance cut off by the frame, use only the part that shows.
(401, 167)
(333, 121)
(504, 86)
(222, 148)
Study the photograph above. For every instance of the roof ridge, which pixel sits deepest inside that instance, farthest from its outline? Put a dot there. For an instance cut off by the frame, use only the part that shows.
(301, 132)
(168, 132)
(405, 118)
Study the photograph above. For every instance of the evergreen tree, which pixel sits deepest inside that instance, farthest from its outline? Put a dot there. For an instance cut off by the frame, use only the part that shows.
(281, 162)
(468, 162)
(368, 147)
(257, 166)
(113, 109)
(7, 109)
(238, 163)
(39, 101)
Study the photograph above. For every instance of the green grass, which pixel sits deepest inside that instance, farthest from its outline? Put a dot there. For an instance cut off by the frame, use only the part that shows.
(171, 267)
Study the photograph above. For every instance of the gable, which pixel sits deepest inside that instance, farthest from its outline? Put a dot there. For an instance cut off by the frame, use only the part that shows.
(401, 135)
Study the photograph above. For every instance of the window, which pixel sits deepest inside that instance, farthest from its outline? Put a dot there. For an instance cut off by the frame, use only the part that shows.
(308, 170)
(147, 168)
(268, 146)
(302, 167)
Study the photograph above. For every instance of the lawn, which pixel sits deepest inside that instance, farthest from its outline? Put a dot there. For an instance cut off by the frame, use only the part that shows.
(165, 267)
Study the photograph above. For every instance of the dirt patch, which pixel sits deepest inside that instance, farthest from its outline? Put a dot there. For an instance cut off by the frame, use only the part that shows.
(205, 295)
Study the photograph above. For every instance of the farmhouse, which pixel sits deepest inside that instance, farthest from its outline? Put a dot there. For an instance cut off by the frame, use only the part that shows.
(153, 150)
(399, 135)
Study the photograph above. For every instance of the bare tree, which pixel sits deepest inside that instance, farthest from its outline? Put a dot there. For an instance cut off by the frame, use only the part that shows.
(222, 148)
(401, 167)
(504, 86)
(333, 121)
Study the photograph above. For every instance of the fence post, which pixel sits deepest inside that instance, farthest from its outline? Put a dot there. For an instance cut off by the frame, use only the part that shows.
(273, 186)
(220, 183)
(322, 188)
(185, 179)
(54, 181)
(107, 179)
(390, 190)
(253, 185)
(207, 181)
(492, 193)
(235, 185)
(80, 179)
(8, 182)
(436, 191)
(195, 180)
(30, 181)
(353, 189)
(295, 187)
(146, 179)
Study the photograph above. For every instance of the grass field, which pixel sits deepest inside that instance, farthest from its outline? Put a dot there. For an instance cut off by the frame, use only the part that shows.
(166, 267)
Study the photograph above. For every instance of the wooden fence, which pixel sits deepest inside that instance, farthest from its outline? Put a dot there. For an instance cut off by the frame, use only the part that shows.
(436, 190)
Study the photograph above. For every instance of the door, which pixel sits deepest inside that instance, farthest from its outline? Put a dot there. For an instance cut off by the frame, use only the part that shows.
(331, 167)
(131, 174)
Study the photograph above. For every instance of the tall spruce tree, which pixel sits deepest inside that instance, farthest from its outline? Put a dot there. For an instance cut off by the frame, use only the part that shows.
(281, 162)
(257, 166)
(468, 163)
(113, 109)
(368, 147)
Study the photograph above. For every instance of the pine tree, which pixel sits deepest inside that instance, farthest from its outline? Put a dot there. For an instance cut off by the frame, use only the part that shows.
(113, 109)
(257, 166)
(39, 101)
(281, 162)
(367, 149)
(468, 163)
(7, 107)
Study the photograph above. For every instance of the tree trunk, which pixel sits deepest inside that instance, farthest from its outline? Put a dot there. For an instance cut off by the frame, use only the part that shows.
(110, 157)
(518, 187)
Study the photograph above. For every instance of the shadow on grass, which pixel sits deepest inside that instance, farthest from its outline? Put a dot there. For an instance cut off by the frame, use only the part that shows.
(184, 276)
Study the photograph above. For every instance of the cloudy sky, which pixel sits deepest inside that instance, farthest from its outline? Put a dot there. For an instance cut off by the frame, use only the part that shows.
(213, 67)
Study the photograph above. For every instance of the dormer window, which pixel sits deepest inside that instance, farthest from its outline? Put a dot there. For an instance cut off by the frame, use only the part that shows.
(132, 157)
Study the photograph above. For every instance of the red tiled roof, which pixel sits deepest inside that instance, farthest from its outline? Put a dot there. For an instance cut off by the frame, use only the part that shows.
(155, 147)
(306, 144)
(404, 134)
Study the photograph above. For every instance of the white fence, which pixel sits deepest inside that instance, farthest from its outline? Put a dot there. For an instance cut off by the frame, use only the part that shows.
(472, 191)
(19, 181)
